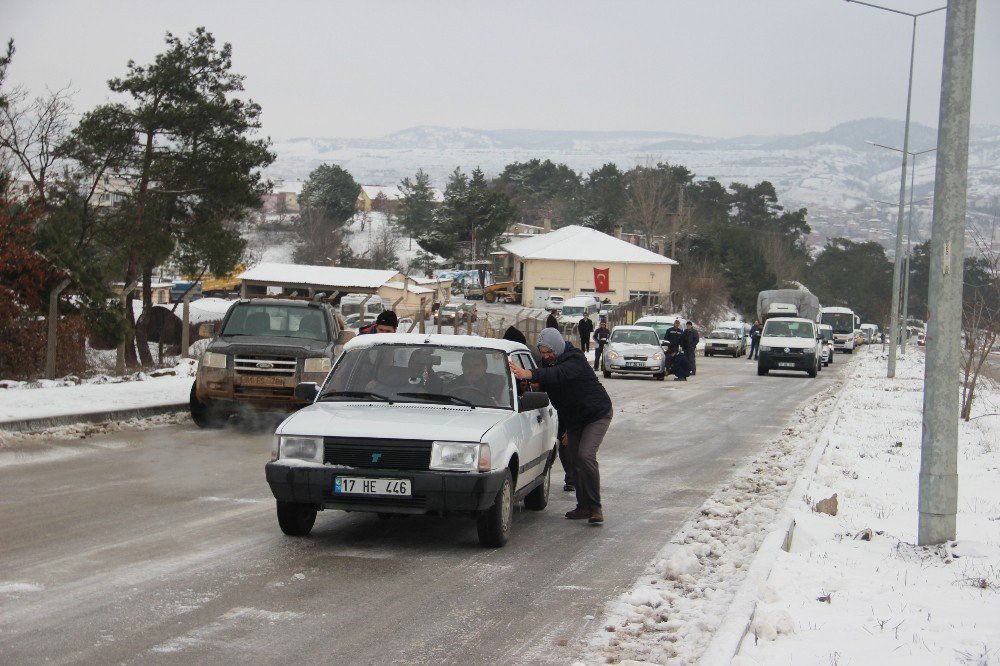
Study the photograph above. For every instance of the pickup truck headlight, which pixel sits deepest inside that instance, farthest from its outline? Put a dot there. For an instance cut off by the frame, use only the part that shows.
(213, 360)
(301, 448)
(460, 456)
(321, 364)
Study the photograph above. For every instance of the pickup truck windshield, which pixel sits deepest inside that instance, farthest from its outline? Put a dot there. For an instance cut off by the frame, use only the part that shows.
(277, 320)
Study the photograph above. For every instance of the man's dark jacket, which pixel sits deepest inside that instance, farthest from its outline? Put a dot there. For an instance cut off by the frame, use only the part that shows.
(673, 336)
(573, 389)
(585, 327)
(689, 340)
(601, 335)
(551, 321)
(679, 366)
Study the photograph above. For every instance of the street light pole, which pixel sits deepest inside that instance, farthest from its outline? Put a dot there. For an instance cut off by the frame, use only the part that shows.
(909, 231)
(897, 261)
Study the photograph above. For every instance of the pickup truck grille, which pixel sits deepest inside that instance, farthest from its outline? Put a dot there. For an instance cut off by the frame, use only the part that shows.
(265, 365)
(377, 453)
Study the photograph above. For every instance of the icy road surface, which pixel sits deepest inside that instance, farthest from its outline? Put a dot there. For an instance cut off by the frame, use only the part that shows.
(161, 545)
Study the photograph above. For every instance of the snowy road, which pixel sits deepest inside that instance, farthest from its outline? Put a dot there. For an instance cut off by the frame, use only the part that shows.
(161, 546)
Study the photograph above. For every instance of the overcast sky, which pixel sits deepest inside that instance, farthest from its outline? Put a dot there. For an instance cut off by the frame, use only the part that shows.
(369, 67)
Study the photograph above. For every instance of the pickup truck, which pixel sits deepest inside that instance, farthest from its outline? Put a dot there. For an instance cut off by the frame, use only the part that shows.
(264, 348)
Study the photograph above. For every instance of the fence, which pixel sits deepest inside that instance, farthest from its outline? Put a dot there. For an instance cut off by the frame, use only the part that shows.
(23, 347)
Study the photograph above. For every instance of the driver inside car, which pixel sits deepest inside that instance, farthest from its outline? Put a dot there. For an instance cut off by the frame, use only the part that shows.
(475, 378)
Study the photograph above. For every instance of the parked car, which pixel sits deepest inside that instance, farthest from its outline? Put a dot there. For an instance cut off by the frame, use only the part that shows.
(826, 347)
(789, 343)
(353, 322)
(554, 303)
(634, 350)
(724, 341)
(417, 424)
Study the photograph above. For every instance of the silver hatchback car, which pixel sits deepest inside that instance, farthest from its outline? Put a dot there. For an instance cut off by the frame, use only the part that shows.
(634, 350)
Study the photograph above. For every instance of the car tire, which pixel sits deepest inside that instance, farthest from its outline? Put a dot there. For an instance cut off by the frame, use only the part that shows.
(296, 519)
(607, 374)
(761, 370)
(707, 354)
(204, 414)
(812, 372)
(660, 376)
(489, 297)
(849, 351)
(494, 523)
(538, 498)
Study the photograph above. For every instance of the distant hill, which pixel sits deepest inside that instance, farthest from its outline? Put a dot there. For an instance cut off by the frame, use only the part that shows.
(833, 167)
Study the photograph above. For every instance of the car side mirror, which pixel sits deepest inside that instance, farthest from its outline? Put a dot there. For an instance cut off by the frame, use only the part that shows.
(306, 391)
(344, 336)
(532, 400)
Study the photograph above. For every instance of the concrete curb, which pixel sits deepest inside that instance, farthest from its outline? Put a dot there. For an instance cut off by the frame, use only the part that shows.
(735, 626)
(45, 422)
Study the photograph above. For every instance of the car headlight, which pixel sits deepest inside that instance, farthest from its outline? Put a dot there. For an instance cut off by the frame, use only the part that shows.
(321, 364)
(461, 456)
(612, 355)
(765, 348)
(657, 357)
(301, 448)
(213, 360)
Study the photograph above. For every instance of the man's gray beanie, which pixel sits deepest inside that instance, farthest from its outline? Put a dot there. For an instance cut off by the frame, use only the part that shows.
(552, 339)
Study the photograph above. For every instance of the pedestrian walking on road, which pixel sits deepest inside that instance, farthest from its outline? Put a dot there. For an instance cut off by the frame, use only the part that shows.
(584, 410)
(754, 340)
(689, 343)
(601, 336)
(586, 328)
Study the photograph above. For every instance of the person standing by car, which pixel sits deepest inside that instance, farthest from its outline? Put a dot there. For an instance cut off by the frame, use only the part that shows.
(754, 340)
(584, 410)
(601, 336)
(673, 334)
(677, 364)
(689, 343)
(586, 328)
(552, 320)
(386, 322)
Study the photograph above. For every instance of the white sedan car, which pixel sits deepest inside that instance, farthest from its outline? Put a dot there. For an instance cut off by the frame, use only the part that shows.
(417, 424)
(634, 350)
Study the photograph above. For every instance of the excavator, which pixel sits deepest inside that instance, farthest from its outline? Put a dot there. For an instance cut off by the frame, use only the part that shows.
(505, 292)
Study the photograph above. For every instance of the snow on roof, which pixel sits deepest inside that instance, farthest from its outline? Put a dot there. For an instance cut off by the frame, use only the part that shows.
(414, 289)
(434, 340)
(292, 186)
(391, 192)
(317, 276)
(434, 281)
(576, 243)
(202, 310)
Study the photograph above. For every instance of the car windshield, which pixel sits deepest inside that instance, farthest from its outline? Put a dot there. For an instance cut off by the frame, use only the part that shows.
(422, 373)
(661, 328)
(572, 310)
(277, 320)
(840, 322)
(634, 337)
(449, 308)
(788, 329)
(725, 335)
(826, 333)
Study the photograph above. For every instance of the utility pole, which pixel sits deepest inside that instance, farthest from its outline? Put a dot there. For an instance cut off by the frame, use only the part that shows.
(938, 493)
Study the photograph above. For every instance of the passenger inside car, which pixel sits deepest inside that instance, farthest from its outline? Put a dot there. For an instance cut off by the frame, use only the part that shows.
(475, 378)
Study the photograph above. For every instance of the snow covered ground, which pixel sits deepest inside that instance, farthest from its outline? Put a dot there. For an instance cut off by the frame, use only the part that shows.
(853, 588)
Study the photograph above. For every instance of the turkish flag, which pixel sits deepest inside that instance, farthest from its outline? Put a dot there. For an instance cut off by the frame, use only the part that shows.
(602, 280)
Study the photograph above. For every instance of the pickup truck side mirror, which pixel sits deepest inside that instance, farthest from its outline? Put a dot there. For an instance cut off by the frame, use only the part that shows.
(306, 391)
(531, 400)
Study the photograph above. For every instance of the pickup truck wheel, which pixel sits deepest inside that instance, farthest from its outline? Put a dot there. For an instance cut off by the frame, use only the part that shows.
(204, 414)
(538, 498)
(296, 519)
(494, 524)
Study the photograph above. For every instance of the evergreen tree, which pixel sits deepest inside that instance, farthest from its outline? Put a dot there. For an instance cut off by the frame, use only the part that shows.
(604, 198)
(416, 207)
(329, 199)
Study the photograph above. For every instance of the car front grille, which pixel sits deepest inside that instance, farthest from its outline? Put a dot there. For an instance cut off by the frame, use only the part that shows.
(377, 453)
(283, 366)
(635, 358)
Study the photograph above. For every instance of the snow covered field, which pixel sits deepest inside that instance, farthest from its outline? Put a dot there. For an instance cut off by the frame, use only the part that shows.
(853, 588)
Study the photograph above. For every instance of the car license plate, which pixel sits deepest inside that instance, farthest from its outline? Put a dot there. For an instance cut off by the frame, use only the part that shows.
(786, 365)
(360, 485)
(263, 380)
(634, 364)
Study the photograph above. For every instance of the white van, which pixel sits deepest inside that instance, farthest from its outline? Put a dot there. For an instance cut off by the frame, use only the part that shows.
(573, 309)
(351, 304)
(789, 343)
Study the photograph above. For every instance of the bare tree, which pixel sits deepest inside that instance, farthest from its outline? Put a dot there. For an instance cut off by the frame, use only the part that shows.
(649, 201)
(32, 131)
(980, 321)
(702, 290)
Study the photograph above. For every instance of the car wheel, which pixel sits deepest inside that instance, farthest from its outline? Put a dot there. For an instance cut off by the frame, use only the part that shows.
(761, 370)
(812, 372)
(489, 297)
(296, 519)
(849, 351)
(661, 376)
(538, 498)
(707, 354)
(494, 524)
(204, 414)
(607, 374)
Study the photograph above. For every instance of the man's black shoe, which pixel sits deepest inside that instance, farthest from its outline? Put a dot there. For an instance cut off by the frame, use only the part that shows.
(569, 487)
(680, 379)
